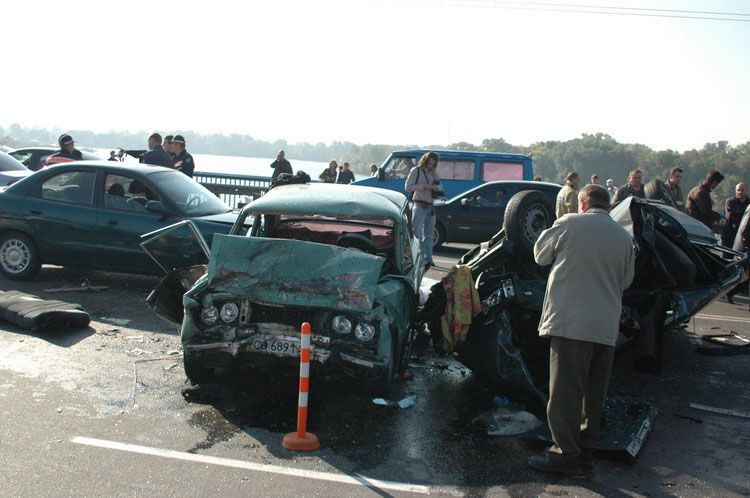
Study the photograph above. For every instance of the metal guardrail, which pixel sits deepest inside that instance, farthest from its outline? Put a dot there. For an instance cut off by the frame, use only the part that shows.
(230, 187)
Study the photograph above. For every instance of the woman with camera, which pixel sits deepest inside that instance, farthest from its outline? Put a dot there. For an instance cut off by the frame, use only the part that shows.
(423, 184)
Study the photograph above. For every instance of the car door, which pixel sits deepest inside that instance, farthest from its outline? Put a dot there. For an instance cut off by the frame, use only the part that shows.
(122, 220)
(61, 214)
(483, 212)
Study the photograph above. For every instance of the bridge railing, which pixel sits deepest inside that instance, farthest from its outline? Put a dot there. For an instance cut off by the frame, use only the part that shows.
(231, 187)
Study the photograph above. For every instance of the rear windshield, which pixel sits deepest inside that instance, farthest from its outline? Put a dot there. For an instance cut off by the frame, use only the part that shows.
(7, 163)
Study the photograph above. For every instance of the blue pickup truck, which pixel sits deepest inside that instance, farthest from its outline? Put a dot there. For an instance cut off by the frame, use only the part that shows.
(459, 170)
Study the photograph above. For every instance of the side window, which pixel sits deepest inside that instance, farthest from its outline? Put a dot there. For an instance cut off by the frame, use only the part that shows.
(123, 193)
(398, 168)
(455, 170)
(492, 171)
(71, 187)
(491, 197)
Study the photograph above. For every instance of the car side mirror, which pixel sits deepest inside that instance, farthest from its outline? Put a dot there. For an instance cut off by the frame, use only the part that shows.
(155, 207)
(464, 202)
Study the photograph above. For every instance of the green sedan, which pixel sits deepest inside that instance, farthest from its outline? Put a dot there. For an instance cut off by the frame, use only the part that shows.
(92, 214)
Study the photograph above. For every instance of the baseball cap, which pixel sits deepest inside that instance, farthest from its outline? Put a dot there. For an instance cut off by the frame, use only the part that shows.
(65, 139)
(178, 139)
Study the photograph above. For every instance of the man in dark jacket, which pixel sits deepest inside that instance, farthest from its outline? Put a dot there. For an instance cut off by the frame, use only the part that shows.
(699, 204)
(634, 187)
(157, 155)
(673, 184)
(345, 175)
(280, 165)
(183, 161)
(68, 148)
(734, 208)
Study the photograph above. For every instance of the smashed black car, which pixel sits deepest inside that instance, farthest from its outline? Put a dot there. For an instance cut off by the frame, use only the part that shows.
(680, 269)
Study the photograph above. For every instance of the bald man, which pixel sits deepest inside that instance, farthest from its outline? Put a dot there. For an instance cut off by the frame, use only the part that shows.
(734, 208)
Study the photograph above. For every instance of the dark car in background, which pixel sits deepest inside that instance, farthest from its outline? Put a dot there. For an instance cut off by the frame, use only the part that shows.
(476, 215)
(11, 170)
(36, 158)
(93, 213)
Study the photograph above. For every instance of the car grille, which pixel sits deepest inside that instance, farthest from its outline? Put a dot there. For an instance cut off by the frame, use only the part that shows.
(286, 316)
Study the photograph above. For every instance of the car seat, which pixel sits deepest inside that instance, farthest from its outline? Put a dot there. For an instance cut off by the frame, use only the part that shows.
(357, 240)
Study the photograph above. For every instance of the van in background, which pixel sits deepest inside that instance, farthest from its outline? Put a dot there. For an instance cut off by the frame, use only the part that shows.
(459, 171)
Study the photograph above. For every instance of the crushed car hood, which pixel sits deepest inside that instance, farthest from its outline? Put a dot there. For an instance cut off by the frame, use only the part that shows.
(294, 273)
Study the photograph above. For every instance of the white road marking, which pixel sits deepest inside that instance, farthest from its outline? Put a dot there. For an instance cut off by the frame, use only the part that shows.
(724, 318)
(353, 479)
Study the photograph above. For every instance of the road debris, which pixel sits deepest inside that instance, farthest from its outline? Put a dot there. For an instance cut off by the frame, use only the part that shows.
(688, 417)
(120, 322)
(405, 403)
(34, 313)
(721, 411)
(506, 421)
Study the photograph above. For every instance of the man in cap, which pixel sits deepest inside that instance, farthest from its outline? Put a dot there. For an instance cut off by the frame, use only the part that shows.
(168, 145)
(280, 165)
(156, 155)
(634, 187)
(611, 188)
(68, 148)
(183, 161)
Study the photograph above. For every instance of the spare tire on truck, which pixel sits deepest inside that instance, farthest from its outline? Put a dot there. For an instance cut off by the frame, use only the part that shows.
(658, 190)
(527, 215)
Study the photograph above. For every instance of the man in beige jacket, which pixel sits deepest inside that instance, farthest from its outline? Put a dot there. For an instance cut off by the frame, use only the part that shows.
(567, 198)
(592, 264)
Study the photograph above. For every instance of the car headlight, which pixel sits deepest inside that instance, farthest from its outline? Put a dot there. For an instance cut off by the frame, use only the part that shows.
(229, 312)
(364, 332)
(341, 325)
(209, 315)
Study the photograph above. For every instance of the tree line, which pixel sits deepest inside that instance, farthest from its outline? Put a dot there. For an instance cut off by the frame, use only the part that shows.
(588, 154)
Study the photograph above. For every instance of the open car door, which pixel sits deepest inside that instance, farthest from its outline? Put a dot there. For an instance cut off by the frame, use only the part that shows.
(182, 252)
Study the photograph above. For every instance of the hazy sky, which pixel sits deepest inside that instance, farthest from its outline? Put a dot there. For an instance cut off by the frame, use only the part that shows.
(379, 71)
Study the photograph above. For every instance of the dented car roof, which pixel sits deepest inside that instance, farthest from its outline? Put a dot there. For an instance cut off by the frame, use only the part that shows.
(331, 199)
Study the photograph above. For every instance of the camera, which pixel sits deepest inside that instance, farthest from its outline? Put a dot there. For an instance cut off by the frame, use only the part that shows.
(438, 193)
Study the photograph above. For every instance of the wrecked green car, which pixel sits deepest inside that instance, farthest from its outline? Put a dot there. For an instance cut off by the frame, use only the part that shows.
(339, 257)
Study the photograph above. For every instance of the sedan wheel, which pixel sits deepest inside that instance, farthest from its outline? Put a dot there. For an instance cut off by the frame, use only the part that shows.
(19, 257)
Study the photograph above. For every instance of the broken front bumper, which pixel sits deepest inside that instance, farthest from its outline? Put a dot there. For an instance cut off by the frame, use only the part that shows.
(276, 346)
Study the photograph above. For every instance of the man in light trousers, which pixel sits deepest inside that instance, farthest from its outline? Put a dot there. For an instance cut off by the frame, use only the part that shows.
(592, 264)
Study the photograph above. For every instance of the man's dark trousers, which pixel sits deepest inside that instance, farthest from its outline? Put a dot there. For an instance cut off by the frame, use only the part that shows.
(579, 374)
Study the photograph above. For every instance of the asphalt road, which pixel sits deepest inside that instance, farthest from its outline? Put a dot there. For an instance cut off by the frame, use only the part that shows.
(107, 411)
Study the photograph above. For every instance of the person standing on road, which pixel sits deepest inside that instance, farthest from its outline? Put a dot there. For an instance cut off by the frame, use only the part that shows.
(592, 264)
(68, 148)
(421, 182)
(112, 156)
(157, 154)
(673, 185)
(280, 165)
(594, 179)
(345, 175)
(611, 188)
(183, 161)
(699, 204)
(734, 208)
(633, 188)
(567, 198)
(329, 174)
(168, 145)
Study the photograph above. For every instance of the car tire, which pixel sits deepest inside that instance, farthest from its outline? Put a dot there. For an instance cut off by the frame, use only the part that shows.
(438, 235)
(527, 215)
(383, 383)
(658, 190)
(196, 373)
(19, 256)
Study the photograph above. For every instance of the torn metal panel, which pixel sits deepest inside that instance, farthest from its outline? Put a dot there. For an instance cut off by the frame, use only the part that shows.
(34, 313)
(294, 273)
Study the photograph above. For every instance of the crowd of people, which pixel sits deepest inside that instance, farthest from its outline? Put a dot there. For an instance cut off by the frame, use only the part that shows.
(169, 152)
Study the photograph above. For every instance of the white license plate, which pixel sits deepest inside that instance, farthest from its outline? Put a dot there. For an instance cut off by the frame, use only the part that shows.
(274, 345)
